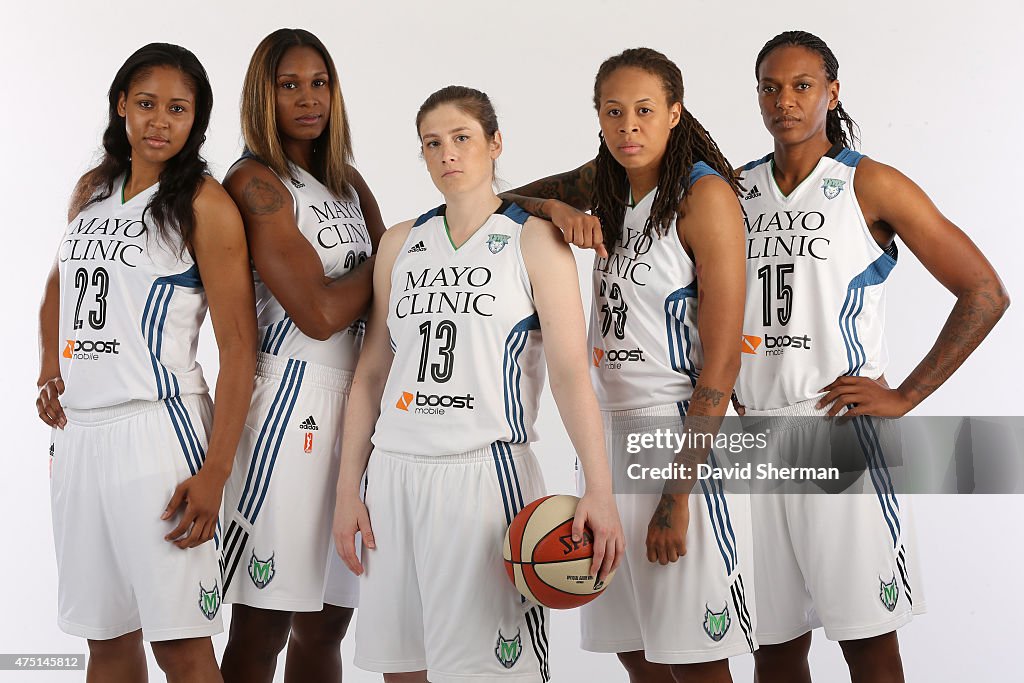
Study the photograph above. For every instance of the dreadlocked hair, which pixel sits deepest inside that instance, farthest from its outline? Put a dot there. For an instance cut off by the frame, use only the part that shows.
(688, 143)
(839, 126)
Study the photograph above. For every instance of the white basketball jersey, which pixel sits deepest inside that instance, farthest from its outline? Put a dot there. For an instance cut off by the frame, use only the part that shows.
(336, 229)
(468, 366)
(130, 308)
(645, 350)
(815, 305)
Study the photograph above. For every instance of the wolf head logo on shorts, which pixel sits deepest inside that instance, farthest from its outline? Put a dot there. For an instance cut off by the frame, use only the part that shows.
(209, 601)
(508, 650)
(261, 571)
(497, 242)
(832, 187)
(889, 593)
(716, 624)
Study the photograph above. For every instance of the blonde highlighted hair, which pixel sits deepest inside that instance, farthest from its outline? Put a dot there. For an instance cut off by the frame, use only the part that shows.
(332, 151)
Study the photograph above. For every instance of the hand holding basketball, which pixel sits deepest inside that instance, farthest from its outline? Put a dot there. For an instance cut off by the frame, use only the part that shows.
(598, 511)
(549, 551)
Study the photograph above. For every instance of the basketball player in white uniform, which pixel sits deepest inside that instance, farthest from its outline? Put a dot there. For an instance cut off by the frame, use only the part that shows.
(310, 235)
(821, 221)
(464, 293)
(139, 459)
(658, 357)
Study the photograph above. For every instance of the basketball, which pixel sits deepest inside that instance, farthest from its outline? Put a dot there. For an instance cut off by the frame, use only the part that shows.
(543, 561)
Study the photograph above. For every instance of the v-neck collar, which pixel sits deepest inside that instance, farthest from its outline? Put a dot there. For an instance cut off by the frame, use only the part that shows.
(632, 205)
(124, 184)
(442, 212)
(832, 153)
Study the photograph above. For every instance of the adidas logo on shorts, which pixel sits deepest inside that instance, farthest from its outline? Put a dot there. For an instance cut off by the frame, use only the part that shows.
(309, 424)
(419, 246)
(753, 193)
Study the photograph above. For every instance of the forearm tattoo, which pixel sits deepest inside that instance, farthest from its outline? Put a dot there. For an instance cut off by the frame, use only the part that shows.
(972, 318)
(573, 188)
(662, 518)
(708, 395)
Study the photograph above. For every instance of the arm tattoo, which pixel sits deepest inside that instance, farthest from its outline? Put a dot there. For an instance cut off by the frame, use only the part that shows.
(261, 197)
(531, 205)
(972, 318)
(662, 518)
(573, 188)
(708, 395)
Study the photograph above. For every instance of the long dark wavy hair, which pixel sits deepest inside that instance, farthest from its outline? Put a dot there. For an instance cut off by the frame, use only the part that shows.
(688, 143)
(171, 205)
(839, 127)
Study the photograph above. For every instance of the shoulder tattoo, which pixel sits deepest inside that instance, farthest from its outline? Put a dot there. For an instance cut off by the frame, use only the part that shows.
(261, 197)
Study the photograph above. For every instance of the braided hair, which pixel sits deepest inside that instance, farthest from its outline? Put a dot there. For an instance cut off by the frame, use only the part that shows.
(839, 126)
(688, 143)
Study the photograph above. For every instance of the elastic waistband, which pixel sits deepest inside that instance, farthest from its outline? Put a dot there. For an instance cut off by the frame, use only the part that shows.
(805, 409)
(321, 376)
(623, 420)
(122, 411)
(498, 449)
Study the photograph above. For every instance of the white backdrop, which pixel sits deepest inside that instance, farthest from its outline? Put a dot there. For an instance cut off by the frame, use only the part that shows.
(937, 94)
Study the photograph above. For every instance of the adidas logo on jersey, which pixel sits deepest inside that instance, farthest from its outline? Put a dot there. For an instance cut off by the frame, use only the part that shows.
(309, 423)
(296, 183)
(419, 246)
(753, 193)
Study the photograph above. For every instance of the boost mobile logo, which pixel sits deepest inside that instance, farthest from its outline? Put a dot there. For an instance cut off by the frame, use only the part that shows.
(750, 344)
(87, 349)
(616, 357)
(774, 346)
(433, 404)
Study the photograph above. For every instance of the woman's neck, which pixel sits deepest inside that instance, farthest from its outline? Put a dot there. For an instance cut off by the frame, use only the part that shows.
(466, 212)
(793, 163)
(643, 180)
(300, 153)
(141, 176)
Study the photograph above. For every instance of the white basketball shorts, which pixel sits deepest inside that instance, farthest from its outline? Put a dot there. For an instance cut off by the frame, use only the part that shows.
(113, 472)
(279, 500)
(845, 561)
(697, 609)
(435, 594)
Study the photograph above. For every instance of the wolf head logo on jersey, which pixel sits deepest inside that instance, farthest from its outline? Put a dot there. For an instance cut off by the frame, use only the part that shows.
(889, 593)
(508, 650)
(261, 571)
(832, 187)
(497, 242)
(209, 601)
(716, 624)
